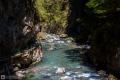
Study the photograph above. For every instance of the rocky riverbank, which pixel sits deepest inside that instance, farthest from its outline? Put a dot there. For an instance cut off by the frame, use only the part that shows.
(21, 60)
(19, 25)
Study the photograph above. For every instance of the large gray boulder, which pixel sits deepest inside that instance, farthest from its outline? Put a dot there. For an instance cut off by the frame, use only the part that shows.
(60, 71)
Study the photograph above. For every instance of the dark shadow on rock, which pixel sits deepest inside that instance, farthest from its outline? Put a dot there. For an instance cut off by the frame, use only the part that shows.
(19, 25)
(7, 72)
(76, 28)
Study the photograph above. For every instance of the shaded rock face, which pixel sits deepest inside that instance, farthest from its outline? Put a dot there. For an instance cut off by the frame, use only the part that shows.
(105, 57)
(104, 53)
(18, 25)
(75, 26)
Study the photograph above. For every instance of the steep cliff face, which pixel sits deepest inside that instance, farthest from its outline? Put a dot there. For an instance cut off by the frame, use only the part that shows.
(18, 25)
(53, 15)
(77, 15)
(104, 24)
(105, 51)
(101, 30)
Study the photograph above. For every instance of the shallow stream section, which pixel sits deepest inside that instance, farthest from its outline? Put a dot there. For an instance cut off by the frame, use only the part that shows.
(62, 54)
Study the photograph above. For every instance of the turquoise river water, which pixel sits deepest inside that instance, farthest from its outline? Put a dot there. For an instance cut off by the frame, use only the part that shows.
(65, 55)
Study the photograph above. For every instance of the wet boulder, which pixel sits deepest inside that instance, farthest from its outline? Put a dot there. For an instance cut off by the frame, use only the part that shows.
(60, 71)
(19, 74)
(66, 78)
(63, 35)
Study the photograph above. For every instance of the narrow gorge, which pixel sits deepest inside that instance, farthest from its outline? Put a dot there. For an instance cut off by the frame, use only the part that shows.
(60, 39)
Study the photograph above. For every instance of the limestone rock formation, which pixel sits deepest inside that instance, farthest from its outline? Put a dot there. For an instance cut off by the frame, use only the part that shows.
(28, 57)
(60, 71)
(18, 25)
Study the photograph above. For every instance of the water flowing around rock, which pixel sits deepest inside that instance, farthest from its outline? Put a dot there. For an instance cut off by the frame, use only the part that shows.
(65, 61)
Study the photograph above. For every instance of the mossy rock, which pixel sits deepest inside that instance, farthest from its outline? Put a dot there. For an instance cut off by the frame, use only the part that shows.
(111, 77)
(63, 35)
(70, 38)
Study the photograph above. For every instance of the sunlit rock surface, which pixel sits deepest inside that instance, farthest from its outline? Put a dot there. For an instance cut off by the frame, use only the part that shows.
(28, 57)
(60, 71)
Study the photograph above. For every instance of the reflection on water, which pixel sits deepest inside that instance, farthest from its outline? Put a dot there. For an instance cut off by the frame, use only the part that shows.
(67, 56)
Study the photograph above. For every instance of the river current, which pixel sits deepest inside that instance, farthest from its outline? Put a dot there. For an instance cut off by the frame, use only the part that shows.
(59, 53)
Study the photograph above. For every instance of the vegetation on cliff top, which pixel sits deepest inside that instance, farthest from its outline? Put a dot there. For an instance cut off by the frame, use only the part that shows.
(103, 22)
(53, 14)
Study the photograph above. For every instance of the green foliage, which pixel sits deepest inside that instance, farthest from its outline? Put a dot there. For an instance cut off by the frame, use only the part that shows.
(111, 77)
(93, 3)
(26, 48)
(103, 14)
(38, 38)
(103, 6)
(18, 50)
(52, 13)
